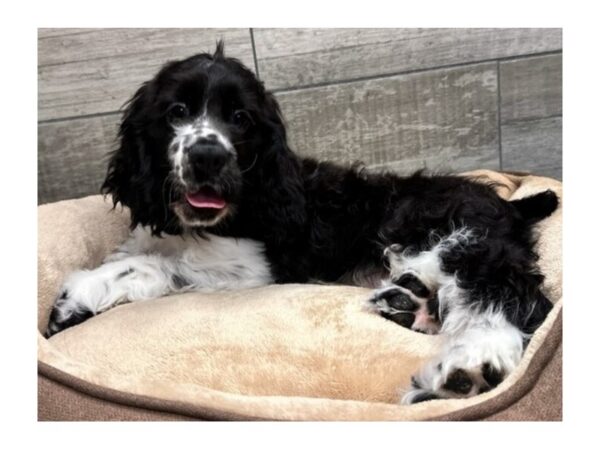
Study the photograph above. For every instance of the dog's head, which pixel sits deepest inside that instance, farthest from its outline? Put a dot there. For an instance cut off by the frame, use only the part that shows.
(189, 139)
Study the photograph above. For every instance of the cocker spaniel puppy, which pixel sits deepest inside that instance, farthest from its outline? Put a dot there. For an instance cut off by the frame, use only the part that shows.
(218, 200)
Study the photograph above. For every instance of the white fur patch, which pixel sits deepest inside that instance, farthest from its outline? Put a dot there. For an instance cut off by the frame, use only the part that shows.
(207, 129)
(147, 267)
(187, 135)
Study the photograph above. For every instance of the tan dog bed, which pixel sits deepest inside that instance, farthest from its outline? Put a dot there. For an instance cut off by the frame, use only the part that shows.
(282, 352)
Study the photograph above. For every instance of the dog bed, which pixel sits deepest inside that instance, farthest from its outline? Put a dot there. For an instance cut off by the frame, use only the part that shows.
(279, 352)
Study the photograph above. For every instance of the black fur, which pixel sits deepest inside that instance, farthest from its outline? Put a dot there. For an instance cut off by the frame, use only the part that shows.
(319, 220)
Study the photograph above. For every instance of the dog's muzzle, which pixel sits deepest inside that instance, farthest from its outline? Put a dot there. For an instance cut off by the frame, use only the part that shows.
(208, 181)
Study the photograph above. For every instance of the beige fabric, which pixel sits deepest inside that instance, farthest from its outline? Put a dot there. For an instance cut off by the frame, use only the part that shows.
(281, 352)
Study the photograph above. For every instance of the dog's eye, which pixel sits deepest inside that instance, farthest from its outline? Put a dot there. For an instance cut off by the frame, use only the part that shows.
(242, 119)
(177, 111)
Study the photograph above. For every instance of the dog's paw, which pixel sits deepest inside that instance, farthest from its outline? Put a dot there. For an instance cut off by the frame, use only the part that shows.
(405, 306)
(66, 312)
(80, 297)
(469, 367)
(459, 383)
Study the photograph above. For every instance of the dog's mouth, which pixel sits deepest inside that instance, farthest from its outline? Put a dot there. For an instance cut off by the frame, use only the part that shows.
(206, 198)
(204, 207)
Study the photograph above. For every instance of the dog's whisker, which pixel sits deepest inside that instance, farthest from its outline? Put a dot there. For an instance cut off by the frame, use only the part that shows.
(251, 165)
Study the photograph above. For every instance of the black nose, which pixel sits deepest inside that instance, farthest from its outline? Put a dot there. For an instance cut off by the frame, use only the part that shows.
(207, 157)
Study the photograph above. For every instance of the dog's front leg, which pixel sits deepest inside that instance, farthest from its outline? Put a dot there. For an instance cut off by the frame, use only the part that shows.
(86, 293)
(148, 267)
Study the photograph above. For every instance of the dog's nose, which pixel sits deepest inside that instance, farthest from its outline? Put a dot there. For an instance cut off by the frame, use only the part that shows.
(207, 157)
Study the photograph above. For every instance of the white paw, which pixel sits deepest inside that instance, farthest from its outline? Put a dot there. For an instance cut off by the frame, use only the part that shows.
(472, 363)
(84, 294)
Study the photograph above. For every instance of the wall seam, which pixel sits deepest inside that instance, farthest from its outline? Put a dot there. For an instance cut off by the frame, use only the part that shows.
(499, 106)
(254, 53)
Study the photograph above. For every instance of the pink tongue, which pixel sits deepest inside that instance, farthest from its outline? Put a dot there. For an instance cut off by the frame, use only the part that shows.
(205, 200)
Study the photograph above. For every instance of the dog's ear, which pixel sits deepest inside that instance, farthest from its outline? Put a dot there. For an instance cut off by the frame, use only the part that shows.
(135, 177)
(280, 178)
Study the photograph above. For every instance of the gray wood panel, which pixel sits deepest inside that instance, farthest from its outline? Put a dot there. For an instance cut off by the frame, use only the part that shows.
(72, 158)
(300, 57)
(443, 119)
(534, 146)
(44, 33)
(375, 95)
(97, 71)
(531, 88)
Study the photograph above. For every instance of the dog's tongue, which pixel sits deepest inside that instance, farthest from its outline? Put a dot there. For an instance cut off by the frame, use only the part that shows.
(205, 198)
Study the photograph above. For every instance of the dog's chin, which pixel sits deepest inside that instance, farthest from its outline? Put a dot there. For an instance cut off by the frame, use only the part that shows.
(191, 216)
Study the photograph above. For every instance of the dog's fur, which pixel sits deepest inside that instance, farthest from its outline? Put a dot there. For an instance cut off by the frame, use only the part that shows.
(204, 156)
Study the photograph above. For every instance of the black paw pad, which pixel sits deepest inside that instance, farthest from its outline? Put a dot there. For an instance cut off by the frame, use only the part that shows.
(401, 301)
(396, 299)
(404, 319)
(459, 381)
(413, 284)
(402, 305)
(492, 376)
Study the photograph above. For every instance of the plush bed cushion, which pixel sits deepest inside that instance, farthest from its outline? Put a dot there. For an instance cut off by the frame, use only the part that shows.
(278, 352)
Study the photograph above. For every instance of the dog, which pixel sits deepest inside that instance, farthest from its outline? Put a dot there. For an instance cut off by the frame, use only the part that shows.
(218, 200)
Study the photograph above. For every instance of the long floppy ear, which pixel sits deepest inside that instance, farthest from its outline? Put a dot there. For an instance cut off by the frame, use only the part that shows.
(283, 203)
(137, 177)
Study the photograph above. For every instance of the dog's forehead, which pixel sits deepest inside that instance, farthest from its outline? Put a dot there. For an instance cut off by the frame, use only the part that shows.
(210, 83)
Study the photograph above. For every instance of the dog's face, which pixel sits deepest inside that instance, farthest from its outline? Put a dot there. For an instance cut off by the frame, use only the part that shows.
(188, 138)
(212, 113)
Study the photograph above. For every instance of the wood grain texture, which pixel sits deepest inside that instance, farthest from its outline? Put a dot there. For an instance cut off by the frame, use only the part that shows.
(534, 146)
(45, 33)
(300, 57)
(377, 95)
(531, 88)
(443, 120)
(72, 156)
(96, 71)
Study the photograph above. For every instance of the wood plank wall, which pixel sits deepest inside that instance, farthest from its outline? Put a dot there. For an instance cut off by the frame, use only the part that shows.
(401, 99)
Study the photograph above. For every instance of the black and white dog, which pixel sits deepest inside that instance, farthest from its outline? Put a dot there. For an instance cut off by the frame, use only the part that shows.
(219, 201)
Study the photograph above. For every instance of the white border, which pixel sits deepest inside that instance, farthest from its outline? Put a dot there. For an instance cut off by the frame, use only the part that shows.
(19, 113)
